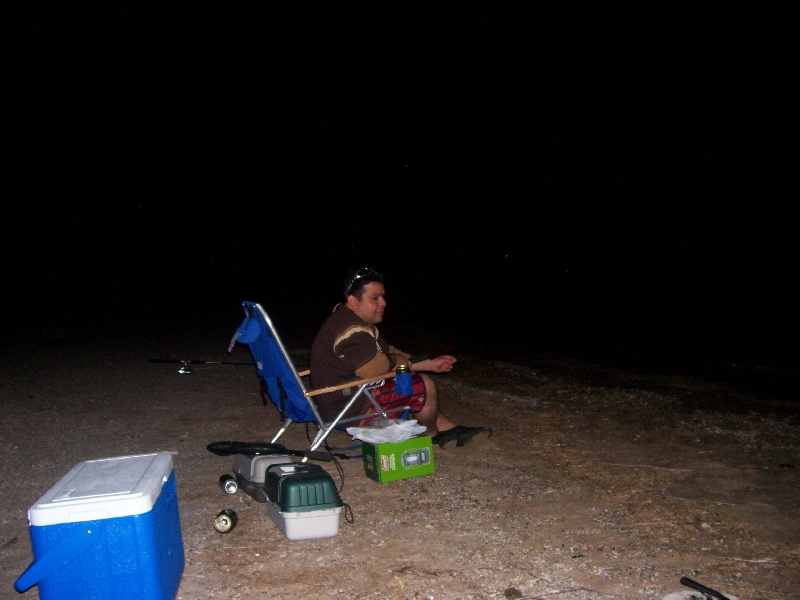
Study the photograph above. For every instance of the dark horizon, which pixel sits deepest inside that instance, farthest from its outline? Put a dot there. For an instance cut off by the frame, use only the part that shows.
(593, 195)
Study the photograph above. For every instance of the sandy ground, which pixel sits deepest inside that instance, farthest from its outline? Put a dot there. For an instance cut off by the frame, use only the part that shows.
(597, 483)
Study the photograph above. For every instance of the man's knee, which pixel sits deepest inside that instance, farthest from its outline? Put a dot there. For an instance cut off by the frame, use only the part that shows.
(430, 384)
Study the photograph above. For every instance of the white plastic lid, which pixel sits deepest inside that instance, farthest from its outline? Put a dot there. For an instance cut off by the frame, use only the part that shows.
(106, 488)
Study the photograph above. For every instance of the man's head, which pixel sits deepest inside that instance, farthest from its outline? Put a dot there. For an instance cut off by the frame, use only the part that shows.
(365, 295)
(356, 280)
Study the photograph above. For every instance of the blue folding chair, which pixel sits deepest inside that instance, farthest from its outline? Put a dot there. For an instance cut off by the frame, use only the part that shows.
(283, 384)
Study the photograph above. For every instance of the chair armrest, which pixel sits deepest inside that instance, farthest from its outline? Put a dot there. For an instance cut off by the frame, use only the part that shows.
(347, 384)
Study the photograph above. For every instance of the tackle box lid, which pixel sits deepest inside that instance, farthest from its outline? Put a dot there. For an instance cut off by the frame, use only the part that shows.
(301, 487)
(105, 488)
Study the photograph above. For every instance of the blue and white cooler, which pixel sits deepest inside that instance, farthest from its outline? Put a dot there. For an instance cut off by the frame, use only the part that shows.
(109, 529)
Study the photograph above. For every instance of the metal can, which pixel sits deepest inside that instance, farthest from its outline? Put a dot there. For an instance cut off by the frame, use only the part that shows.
(403, 386)
(226, 520)
(228, 484)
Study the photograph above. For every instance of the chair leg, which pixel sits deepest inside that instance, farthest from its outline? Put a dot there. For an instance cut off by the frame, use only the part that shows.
(281, 430)
(321, 435)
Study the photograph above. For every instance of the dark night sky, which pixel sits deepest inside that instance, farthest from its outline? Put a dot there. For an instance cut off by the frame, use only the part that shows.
(589, 176)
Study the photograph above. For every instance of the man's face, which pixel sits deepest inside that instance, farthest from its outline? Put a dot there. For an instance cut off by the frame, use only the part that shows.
(372, 304)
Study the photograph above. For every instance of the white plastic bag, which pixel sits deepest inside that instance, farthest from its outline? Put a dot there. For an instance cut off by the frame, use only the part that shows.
(387, 430)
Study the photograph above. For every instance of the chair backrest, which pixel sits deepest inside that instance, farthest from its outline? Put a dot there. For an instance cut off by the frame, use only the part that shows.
(279, 378)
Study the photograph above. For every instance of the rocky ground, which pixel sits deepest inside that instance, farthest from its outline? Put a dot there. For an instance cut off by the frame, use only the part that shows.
(598, 482)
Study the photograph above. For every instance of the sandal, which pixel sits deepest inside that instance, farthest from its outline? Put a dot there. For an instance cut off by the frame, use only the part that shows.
(461, 433)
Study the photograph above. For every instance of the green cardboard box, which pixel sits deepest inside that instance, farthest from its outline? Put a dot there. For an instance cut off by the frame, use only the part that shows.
(391, 461)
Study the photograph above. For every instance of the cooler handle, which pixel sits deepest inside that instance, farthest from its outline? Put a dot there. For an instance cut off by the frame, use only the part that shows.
(75, 542)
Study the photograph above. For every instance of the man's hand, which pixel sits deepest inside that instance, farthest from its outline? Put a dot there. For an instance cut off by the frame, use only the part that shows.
(438, 364)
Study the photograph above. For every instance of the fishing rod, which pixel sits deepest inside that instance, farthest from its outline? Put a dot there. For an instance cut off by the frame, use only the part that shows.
(186, 362)
(197, 362)
(228, 448)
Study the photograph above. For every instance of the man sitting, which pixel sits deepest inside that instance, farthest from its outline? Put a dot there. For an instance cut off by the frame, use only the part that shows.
(349, 346)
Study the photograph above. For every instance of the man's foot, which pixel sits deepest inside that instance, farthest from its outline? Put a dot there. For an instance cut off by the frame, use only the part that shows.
(461, 433)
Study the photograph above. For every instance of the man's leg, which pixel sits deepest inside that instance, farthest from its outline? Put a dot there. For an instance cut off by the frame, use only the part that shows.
(439, 426)
(430, 416)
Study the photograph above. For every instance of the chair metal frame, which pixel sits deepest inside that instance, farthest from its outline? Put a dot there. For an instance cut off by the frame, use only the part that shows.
(285, 386)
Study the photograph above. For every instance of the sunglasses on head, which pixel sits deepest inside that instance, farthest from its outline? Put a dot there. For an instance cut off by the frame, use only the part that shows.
(362, 272)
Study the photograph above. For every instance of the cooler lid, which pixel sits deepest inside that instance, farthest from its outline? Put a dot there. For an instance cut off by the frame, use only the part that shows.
(106, 488)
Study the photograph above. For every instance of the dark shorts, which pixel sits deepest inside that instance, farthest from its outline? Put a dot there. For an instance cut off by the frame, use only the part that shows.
(387, 398)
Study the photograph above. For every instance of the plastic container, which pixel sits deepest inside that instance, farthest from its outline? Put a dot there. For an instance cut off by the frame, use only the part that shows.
(251, 471)
(109, 528)
(302, 501)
